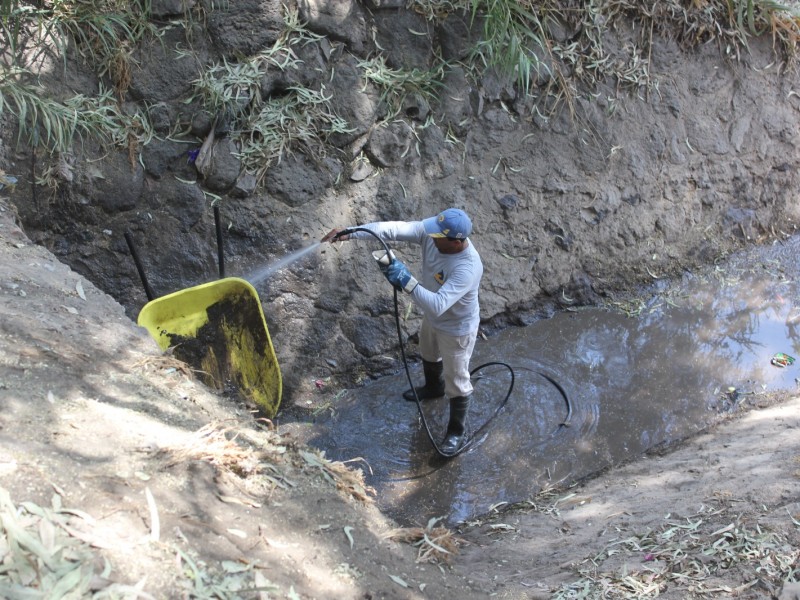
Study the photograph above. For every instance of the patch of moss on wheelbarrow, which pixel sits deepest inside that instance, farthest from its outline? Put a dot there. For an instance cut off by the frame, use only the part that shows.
(232, 352)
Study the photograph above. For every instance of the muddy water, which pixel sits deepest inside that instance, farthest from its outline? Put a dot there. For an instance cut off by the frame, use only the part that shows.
(627, 379)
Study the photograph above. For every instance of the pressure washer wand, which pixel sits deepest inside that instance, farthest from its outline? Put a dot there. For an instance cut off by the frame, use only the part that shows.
(347, 231)
(384, 257)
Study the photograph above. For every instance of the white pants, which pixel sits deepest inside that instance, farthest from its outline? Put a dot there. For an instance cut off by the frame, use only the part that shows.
(455, 353)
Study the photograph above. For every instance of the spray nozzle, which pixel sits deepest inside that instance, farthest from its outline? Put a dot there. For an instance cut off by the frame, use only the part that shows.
(343, 233)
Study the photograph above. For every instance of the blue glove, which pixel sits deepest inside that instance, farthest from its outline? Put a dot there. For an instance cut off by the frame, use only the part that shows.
(400, 277)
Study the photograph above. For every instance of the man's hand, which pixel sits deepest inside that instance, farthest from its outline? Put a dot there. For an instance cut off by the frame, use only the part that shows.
(336, 235)
(400, 277)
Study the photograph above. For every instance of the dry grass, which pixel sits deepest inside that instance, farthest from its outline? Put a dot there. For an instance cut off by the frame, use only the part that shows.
(228, 449)
(164, 363)
(349, 481)
(434, 543)
(520, 38)
(699, 554)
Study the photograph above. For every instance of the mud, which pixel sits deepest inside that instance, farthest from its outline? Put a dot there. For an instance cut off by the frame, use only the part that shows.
(231, 352)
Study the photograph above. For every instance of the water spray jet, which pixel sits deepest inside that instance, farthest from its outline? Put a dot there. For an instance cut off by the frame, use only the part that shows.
(272, 268)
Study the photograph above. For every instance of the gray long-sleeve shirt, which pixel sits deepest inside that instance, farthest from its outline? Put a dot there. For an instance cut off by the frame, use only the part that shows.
(448, 290)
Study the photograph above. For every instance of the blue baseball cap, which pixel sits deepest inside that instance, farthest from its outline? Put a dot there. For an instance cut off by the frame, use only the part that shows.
(451, 223)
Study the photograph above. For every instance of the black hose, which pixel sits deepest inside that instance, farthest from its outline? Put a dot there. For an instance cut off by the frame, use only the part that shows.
(475, 435)
(566, 422)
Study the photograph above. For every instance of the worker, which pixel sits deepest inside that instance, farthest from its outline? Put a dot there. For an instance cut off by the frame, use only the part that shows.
(447, 294)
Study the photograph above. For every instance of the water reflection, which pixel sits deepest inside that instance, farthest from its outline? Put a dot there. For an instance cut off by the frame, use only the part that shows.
(632, 384)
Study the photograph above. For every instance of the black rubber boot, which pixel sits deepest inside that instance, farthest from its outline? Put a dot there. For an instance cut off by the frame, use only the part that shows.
(434, 382)
(457, 427)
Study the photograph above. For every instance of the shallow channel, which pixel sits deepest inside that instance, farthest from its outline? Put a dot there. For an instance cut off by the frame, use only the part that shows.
(634, 377)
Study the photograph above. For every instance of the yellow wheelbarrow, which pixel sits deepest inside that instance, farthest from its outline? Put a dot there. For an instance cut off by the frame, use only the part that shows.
(218, 328)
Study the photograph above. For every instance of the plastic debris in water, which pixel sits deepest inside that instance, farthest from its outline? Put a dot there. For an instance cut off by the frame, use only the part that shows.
(193, 155)
(782, 360)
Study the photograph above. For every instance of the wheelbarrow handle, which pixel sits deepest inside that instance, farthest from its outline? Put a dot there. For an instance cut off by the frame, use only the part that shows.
(220, 249)
(132, 247)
